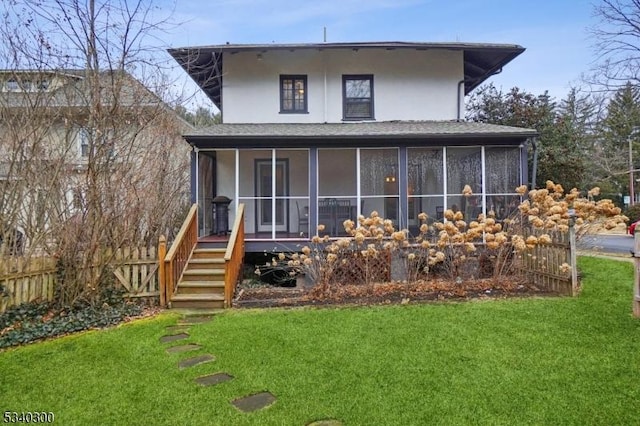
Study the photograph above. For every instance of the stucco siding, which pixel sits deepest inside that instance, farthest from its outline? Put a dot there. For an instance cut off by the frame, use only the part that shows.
(408, 84)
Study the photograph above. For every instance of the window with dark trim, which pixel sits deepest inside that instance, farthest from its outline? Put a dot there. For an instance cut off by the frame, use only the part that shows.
(293, 94)
(357, 97)
(12, 85)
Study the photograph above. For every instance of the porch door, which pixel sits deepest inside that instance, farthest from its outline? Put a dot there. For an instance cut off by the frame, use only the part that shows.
(266, 198)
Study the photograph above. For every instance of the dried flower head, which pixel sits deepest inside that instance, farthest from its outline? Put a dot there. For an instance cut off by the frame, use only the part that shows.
(398, 236)
(493, 245)
(522, 189)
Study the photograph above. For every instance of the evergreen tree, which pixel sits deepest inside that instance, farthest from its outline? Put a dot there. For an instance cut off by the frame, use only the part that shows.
(562, 129)
(203, 117)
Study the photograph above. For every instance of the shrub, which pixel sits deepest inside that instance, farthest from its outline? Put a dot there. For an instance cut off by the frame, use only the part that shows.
(445, 248)
(633, 213)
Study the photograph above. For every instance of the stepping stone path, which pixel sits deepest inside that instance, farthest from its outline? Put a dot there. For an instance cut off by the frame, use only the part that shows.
(183, 348)
(254, 402)
(195, 320)
(173, 337)
(326, 423)
(245, 404)
(213, 379)
(196, 360)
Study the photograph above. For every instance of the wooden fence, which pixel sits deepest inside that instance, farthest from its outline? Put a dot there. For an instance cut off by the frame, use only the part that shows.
(22, 281)
(552, 266)
(134, 269)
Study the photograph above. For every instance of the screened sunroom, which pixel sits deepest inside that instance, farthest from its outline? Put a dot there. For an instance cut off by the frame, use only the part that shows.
(292, 178)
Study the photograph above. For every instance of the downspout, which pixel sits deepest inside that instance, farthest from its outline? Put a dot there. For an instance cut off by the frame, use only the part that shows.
(460, 86)
(534, 171)
(324, 61)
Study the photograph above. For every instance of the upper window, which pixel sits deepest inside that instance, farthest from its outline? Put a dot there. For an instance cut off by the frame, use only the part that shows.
(293, 94)
(43, 85)
(12, 85)
(357, 94)
(84, 142)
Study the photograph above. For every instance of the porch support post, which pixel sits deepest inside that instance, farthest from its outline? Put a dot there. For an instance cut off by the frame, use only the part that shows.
(313, 190)
(483, 171)
(403, 181)
(524, 152)
(194, 175)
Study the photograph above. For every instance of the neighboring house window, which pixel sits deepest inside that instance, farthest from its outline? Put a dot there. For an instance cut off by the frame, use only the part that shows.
(43, 85)
(84, 143)
(357, 94)
(11, 85)
(103, 147)
(293, 94)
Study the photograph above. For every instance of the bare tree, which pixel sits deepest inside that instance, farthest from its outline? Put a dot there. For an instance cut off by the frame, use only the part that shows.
(617, 43)
(111, 168)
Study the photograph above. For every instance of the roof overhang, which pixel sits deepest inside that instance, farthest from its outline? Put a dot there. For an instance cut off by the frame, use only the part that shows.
(204, 63)
(371, 134)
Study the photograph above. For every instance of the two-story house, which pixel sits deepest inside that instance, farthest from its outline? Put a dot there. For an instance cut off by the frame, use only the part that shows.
(318, 133)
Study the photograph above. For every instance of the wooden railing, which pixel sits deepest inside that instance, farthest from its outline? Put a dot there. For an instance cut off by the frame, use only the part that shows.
(175, 261)
(234, 257)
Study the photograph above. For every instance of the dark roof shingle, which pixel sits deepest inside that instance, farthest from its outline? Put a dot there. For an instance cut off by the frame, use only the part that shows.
(361, 129)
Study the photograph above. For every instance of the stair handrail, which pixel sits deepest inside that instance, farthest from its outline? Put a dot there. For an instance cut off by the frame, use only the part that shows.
(234, 257)
(175, 261)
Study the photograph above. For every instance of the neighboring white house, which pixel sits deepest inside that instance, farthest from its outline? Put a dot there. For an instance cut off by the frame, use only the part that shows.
(319, 133)
(48, 141)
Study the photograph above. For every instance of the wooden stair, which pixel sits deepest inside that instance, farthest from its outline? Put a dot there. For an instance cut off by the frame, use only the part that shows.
(202, 282)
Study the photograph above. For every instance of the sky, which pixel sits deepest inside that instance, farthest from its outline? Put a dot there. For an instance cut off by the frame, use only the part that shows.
(558, 52)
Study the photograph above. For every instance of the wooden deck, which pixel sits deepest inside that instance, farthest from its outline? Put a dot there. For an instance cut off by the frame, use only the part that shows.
(285, 241)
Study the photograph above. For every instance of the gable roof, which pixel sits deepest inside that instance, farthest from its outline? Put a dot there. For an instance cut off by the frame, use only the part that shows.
(72, 89)
(204, 63)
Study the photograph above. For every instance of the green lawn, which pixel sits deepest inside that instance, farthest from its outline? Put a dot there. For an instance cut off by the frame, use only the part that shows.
(547, 361)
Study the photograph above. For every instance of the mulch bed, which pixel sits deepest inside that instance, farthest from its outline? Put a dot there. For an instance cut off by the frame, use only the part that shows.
(386, 293)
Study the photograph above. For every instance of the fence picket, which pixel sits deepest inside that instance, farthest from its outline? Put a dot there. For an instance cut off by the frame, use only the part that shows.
(544, 266)
(135, 269)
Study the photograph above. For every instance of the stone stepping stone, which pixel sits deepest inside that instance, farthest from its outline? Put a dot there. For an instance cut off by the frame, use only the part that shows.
(213, 379)
(328, 422)
(196, 360)
(254, 402)
(183, 348)
(173, 337)
(195, 320)
(177, 328)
